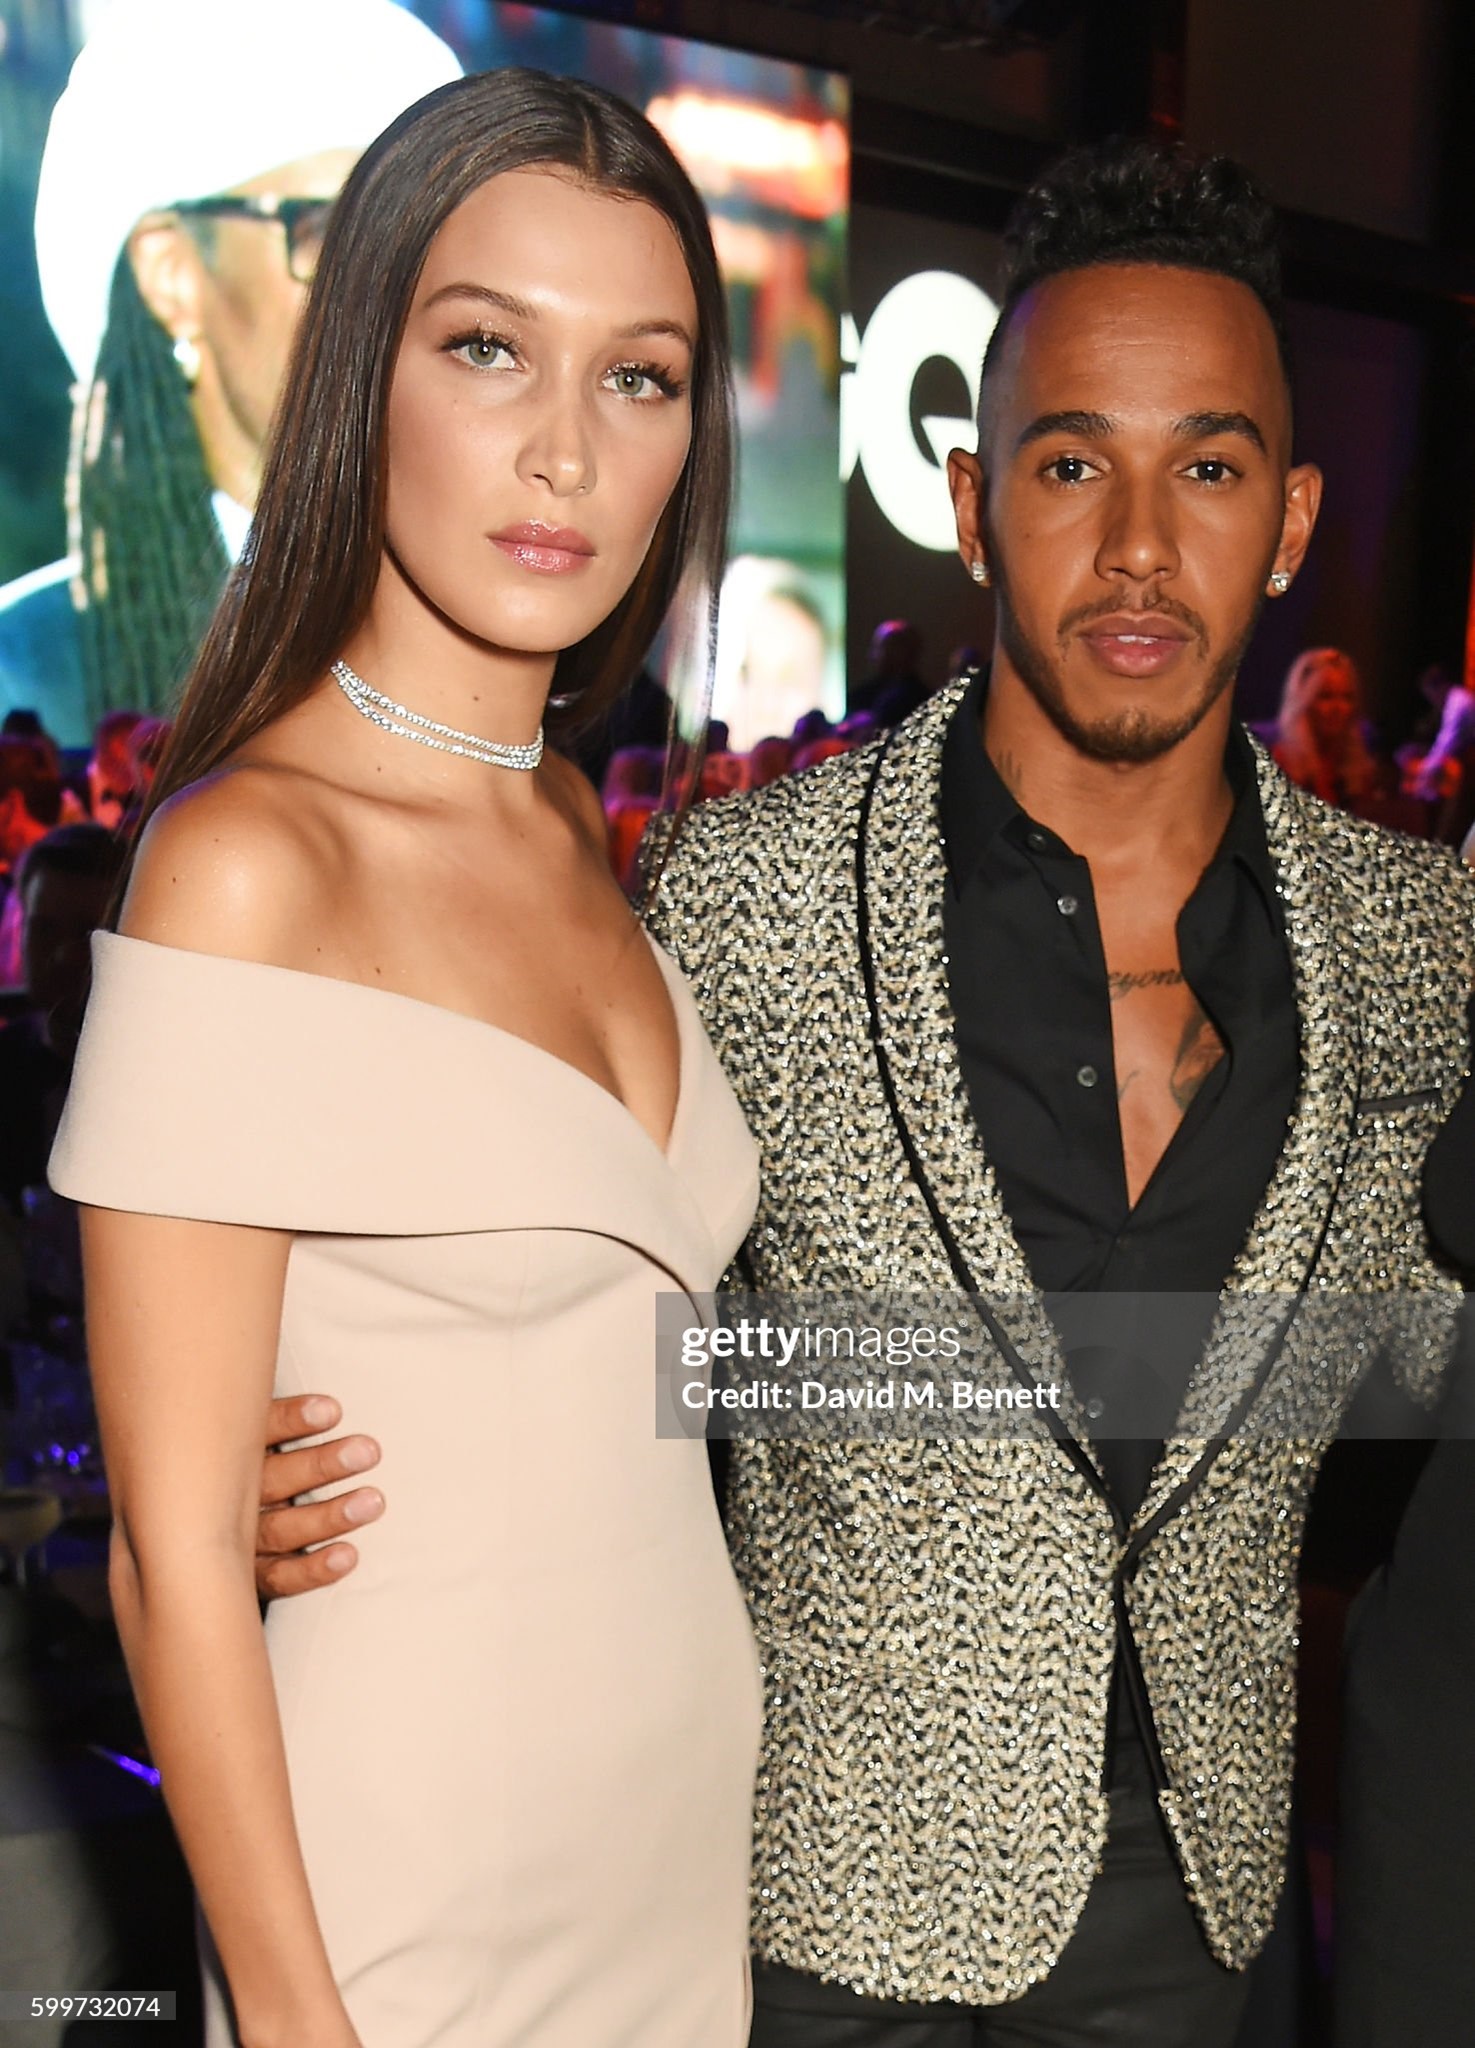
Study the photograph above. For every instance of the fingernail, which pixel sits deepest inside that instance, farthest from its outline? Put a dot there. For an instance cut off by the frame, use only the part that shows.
(363, 1506)
(338, 1560)
(317, 1411)
(356, 1455)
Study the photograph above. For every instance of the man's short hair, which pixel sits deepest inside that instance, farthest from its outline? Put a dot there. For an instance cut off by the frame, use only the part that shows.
(1143, 202)
(89, 852)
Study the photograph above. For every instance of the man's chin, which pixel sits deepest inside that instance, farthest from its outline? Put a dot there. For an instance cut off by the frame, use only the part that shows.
(1126, 737)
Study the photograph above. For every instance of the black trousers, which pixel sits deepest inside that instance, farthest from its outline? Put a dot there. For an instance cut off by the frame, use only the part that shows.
(1135, 1973)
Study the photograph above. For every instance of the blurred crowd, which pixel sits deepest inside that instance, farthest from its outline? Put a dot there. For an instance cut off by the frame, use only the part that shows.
(65, 819)
(1322, 737)
(1325, 741)
(64, 824)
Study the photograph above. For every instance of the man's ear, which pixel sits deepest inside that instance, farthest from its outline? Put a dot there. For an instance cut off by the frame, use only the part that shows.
(170, 274)
(1302, 504)
(966, 482)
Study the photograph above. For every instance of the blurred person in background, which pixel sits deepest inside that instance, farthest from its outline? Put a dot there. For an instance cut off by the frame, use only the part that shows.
(772, 650)
(642, 718)
(816, 751)
(30, 798)
(631, 793)
(767, 761)
(147, 749)
(146, 746)
(1320, 740)
(22, 723)
(30, 805)
(722, 773)
(1445, 776)
(112, 771)
(892, 686)
(187, 176)
(62, 890)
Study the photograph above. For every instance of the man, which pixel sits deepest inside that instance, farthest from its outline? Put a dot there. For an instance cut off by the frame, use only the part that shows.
(1062, 987)
(1406, 1848)
(185, 186)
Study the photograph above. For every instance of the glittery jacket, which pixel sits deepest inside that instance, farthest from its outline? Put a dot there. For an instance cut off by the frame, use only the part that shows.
(938, 1620)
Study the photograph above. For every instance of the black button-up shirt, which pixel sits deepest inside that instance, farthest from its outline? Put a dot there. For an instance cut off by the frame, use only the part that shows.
(1032, 1012)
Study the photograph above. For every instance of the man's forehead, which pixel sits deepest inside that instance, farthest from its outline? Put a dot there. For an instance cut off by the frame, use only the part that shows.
(1120, 339)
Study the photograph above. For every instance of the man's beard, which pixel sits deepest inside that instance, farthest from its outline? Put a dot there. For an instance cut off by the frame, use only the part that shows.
(1122, 736)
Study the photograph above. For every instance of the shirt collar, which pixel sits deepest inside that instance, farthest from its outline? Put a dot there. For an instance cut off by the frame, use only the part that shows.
(976, 806)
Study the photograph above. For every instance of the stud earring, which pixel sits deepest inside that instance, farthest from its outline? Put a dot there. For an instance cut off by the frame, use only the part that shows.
(978, 570)
(187, 354)
(1280, 583)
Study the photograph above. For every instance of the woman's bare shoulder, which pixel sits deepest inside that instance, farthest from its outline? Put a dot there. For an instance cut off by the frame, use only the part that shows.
(230, 865)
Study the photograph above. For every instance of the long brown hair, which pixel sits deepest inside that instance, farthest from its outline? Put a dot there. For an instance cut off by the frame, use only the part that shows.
(305, 581)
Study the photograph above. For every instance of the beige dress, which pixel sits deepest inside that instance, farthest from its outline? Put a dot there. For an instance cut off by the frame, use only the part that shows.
(522, 1734)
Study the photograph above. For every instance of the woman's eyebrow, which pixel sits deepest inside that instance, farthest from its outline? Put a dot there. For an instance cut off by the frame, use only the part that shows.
(504, 301)
(640, 327)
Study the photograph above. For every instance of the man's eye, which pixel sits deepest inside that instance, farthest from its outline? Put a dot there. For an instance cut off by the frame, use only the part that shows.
(1068, 469)
(1211, 469)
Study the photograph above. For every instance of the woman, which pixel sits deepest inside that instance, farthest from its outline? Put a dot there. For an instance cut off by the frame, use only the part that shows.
(1319, 739)
(383, 1082)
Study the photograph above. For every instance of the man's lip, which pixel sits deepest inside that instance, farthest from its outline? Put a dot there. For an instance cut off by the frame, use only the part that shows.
(1135, 626)
(533, 533)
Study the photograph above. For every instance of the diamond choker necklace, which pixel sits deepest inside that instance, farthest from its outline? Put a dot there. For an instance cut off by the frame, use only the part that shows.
(409, 725)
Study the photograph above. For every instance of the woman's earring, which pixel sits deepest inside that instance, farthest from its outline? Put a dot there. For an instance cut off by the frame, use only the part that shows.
(1280, 583)
(187, 355)
(978, 570)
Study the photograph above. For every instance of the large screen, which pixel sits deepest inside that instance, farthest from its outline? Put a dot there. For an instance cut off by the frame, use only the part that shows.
(126, 485)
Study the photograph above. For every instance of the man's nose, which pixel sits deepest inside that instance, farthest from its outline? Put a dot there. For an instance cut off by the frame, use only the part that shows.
(1139, 539)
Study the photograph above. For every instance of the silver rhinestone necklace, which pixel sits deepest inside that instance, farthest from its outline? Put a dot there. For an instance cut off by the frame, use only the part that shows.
(409, 725)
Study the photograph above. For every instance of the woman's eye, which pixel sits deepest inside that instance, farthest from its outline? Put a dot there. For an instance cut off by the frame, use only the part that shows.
(642, 380)
(480, 350)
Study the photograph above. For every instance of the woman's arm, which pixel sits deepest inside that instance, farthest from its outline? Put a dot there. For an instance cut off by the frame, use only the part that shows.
(182, 1324)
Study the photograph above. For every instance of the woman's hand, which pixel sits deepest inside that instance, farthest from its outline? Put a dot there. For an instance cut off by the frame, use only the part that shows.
(284, 1564)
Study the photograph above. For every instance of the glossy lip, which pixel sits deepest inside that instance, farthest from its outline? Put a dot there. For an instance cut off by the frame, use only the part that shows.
(545, 550)
(1136, 643)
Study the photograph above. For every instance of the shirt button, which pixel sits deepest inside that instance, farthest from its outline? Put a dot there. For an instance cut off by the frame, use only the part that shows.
(1087, 1076)
(1036, 840)
(1067, 905)
(1095, 1408)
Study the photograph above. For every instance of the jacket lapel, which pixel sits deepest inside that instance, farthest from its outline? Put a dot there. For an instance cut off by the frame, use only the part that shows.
(904, 876)
(1284, 1240)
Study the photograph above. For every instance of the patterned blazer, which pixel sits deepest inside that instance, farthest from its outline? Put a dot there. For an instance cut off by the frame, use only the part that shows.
(938, 1621)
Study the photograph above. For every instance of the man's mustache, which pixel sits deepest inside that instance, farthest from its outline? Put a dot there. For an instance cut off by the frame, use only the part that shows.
(1161, 607)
